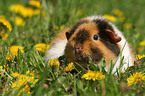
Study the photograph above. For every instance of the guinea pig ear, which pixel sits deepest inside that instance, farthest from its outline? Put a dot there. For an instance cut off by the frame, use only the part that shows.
(115, 39)
(68, 35)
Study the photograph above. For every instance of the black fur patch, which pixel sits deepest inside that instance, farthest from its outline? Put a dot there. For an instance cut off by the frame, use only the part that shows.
(102, 25)
(113, 47)
(96, 54)
(82, 36)
(81, 58)
(73, 29)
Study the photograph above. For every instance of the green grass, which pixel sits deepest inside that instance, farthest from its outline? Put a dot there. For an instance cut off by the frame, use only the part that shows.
(41, 30)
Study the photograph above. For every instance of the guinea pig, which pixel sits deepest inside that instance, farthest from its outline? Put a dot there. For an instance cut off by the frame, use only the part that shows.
(91, 39)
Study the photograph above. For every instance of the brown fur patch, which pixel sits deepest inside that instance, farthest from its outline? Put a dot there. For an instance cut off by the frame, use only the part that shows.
(107, 54)
(90, 27)
(61, 35)
(76, 25)
(69, 56)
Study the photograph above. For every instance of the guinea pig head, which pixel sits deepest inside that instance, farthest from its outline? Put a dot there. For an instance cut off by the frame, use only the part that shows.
(88, 43)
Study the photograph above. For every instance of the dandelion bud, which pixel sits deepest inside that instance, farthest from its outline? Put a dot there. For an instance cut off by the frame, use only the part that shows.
(54, 63)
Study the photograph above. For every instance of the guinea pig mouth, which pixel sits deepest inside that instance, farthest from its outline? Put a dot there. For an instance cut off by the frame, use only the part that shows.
(81, 58)
(84, 59)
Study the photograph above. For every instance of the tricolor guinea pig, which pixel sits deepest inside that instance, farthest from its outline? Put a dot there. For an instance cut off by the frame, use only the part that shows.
(91, 39)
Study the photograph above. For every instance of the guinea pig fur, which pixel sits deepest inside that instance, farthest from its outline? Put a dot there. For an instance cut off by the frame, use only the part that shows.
(91, 39)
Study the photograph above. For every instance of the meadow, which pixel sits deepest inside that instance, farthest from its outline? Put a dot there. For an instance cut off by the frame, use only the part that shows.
(27, 28)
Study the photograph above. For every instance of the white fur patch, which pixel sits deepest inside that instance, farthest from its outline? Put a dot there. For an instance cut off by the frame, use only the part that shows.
(125, 52)
(56, 50)
(94, 17)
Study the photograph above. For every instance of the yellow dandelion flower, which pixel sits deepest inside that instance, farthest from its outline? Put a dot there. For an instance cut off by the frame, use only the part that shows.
(2, 17)
(27, 89)
(5, 68)
(61, 27)
(43, 14)
(142, 43)
(127, 25)
(18, 21)
(110, 18)
(58, 28)
(36, 12)
(28, 72)
(15, 75)
(9, 57)
(69, 67)
(135, 78)
(0, 70)
(94, 75)
(27, 12)
(20, 9)
(14, 49)
(3, 35)
(32, 73)
(122, 18)
(79, 12)
(35, 3)
(14, 52)
(54, 63)
(88, 75)
(118, 12)
(22, 80)
(55, 27)
(20, 83)
(143, 85)
(41, 47)
(5, 24)
(138, 57)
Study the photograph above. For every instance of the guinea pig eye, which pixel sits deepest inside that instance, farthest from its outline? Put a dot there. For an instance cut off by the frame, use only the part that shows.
(95, 37)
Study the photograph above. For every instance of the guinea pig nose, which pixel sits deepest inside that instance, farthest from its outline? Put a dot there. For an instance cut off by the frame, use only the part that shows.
(78, 48)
